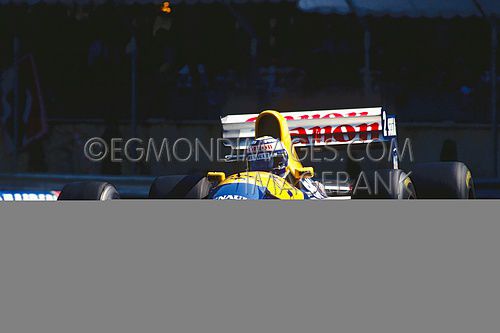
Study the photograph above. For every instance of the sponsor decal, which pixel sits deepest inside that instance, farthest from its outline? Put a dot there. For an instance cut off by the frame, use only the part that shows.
(263, 147)
(341, 133)
(230, 197)
(312, 115)
(29, 196)
(259, 157)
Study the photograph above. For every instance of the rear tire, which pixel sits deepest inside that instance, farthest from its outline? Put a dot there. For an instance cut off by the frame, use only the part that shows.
(443, 180)
(180, 187)
(89, 190)
(384, 184)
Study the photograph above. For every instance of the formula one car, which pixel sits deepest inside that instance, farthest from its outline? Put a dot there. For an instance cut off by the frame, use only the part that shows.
(357, 146)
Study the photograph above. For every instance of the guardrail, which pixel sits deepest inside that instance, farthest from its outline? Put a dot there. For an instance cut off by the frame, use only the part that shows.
(129, 186)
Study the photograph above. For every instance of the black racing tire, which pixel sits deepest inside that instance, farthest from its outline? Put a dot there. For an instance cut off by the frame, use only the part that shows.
(384, 184)
(89, 190)
(180, 187)
(443, 180)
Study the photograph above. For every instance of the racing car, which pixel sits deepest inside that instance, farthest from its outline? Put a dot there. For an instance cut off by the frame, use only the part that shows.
(267, 151)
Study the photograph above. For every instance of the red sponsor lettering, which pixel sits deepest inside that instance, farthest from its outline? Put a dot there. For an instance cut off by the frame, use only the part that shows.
(344, 133)
(318, 116)
(366, 129)
(341, 133)
(322, 134)
(333, 115)
(299, 135)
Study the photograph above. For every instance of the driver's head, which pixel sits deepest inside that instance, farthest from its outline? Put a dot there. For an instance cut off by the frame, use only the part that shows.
(267, 154)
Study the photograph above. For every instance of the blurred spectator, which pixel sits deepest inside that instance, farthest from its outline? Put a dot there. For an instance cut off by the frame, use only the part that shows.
(191, 61)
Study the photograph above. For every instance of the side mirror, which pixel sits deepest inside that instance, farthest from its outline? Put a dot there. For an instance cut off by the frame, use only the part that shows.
(216, 177)
(306, 172)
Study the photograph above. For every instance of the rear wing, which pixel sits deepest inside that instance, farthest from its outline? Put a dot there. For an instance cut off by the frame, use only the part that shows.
(318, 128)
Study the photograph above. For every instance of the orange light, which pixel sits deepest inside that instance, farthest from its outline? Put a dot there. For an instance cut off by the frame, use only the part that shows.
(166, 7)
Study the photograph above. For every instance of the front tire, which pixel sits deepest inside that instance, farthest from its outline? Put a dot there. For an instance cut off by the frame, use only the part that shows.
(89, 190)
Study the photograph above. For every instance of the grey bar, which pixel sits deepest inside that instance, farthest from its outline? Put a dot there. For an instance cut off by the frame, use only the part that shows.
(203, 266)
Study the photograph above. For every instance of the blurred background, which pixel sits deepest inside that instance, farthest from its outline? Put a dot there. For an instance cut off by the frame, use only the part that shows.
(71, 70)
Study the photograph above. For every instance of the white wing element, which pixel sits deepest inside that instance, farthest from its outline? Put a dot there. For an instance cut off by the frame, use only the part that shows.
(316, 128)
